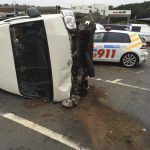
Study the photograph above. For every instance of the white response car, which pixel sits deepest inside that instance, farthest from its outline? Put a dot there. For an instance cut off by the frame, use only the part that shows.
(123, 47)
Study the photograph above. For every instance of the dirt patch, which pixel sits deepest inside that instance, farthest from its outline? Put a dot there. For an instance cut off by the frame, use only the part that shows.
(109, 129)
(34, 103)
(47, 115)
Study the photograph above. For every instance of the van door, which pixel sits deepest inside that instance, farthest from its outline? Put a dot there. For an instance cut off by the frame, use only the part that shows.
(32, 61)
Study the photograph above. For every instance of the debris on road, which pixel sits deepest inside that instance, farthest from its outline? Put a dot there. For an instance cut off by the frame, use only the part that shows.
(108, 128)
(31, 103)
(72, 102)
(144, 130)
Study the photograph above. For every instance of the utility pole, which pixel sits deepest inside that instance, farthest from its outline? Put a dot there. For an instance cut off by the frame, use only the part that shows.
(14, 7)
(94, 6)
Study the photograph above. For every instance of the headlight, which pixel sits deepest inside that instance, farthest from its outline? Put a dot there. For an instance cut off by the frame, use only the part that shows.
(69, 19)
(70, 22)
(67, 12)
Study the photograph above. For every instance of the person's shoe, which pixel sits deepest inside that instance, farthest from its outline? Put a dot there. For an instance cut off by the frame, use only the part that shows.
(68, 103)
(75, 99)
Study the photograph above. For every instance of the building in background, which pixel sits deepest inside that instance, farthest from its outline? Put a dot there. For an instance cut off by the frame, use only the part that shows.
(119, 16)
(11, 11)
(100, 8)
(100, 12)
(111, 16)
(144, 20)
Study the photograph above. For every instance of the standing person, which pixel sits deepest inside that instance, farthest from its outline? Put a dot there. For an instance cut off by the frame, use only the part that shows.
(82, 54)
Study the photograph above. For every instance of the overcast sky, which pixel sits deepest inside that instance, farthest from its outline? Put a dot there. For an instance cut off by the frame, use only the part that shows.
(67, 3)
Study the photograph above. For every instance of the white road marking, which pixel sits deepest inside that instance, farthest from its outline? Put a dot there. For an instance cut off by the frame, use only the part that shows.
(127, 85)
(98, 79)
(122, 84)
(42, 130)
(115, 81)
(139, 72)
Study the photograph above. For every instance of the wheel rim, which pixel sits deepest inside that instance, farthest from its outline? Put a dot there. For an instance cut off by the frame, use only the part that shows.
(129, 60)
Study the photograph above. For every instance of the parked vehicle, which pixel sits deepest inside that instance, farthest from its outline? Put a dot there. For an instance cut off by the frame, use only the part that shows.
(143, 30)
(117, 27)
(122, 47)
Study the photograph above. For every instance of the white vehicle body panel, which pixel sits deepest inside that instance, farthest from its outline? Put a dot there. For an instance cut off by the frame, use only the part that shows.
(8, 79)
(119, 51)
(60, 55)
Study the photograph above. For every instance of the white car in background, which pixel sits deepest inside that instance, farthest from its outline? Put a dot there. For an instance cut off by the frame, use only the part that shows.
(143, 30)
(123, 47)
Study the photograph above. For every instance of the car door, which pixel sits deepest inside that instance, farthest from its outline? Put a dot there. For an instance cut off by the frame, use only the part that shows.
(109, 47)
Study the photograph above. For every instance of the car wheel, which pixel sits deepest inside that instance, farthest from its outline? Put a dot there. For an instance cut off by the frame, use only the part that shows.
(129, 60)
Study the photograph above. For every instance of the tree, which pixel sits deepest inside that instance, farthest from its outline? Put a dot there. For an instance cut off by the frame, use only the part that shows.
(139, 10)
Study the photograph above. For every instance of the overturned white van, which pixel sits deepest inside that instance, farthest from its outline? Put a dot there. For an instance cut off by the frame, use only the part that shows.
(35, 57)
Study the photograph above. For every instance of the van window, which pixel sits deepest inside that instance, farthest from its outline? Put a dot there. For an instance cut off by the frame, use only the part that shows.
(113, 37)
(136, 29)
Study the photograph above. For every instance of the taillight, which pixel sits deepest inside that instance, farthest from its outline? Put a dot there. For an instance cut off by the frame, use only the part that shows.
(144, 46)
(108, 29)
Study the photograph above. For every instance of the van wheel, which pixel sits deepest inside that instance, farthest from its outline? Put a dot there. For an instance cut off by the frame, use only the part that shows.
(129, 60)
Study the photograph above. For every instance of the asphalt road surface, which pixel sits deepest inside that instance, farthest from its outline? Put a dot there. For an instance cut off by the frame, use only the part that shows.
(114, 116)
(129, 89)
